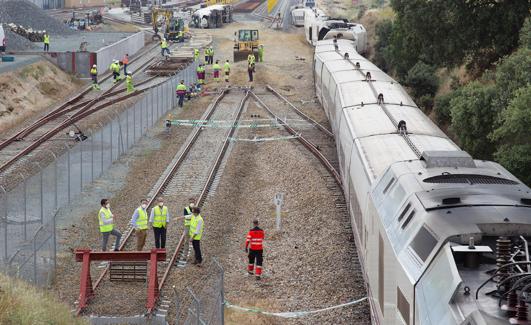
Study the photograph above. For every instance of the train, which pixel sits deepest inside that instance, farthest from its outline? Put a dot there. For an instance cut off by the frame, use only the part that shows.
(318, 26)
(442, 238)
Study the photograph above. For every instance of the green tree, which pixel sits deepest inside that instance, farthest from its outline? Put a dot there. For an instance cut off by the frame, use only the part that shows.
(422, 80)
(381, 48)
(473, 116)
(512, 73)
(525, 34)
(447, 32)
(514, 135)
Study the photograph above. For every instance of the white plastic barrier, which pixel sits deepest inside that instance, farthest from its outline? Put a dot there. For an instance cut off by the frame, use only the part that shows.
(129, 45)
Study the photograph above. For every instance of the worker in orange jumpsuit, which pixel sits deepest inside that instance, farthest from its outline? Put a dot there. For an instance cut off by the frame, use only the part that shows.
(254, 247)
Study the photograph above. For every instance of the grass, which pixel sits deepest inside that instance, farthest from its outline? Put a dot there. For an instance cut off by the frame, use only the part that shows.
(23, 304)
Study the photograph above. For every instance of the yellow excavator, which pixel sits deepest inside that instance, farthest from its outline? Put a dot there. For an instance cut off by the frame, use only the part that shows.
(174, 26)
(245, 43)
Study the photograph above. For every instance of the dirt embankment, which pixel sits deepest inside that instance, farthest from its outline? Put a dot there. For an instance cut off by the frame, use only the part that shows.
(30, 90)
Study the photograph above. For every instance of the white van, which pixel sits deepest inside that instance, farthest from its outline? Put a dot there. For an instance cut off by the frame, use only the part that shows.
(2, 39)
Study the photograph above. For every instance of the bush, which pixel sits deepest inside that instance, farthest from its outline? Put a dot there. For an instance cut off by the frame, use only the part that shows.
(381, 47)
(473, 115)
(426, 103)
(514, 135)
(442, 108)
(422, 80)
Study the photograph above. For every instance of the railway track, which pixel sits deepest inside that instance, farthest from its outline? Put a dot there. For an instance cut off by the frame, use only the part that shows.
(313, 135)
(197, 162)
(19, 145)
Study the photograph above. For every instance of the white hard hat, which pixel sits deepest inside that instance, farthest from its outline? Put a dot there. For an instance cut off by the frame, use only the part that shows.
(94, 66)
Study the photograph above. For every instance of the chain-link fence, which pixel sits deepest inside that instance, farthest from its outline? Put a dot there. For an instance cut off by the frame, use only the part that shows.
(28, 210)
(207, 306)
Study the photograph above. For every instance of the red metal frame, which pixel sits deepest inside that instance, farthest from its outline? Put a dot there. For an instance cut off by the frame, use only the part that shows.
(86, 256)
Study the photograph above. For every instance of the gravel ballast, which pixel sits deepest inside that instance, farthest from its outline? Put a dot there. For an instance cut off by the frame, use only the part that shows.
(27, 14)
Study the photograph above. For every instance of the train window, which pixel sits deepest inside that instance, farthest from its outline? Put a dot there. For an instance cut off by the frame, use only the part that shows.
(423, 243)
(403, 305)
(389, 185)
(401, 216)
(408, 219)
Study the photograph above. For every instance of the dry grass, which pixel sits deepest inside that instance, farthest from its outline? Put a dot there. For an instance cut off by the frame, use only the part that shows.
(23, 304)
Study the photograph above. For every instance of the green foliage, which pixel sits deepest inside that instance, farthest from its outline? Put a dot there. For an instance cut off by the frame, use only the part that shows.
(422, 80)
(445, 33)
(512, 73)
(442, 107)
(514, 135)
(381, 47)
(525, 34)
(473, 116)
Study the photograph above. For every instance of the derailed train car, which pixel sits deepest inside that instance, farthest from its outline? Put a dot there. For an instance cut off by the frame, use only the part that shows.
(433, 227)
(318, 26)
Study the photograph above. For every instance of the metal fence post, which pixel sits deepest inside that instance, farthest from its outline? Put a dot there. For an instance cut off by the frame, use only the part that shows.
(41, 193)
(197, 307)
(127, 128)
(134, 124)
(68, 170)
(25, 210)
(221, 291)
(110, 141)
(151, 106)
(54, 248)
(35, 259)
(5, 223)
(92, 156)
(101, 132)
(56, 185)
(81, 165)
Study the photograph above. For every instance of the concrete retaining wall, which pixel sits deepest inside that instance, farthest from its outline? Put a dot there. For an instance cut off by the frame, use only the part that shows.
(49, 4)
(130, 45)
(73, 62)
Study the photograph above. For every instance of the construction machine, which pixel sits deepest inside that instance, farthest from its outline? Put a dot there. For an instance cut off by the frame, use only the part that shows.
(171, 27)
(245, 43)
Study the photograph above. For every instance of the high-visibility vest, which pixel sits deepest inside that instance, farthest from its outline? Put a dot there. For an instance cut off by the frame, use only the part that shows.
(159, 217)
(129, 79)
(250, 59)
(180, 34)
(164, 44)
(226, 67)
(255, 239)
(211, 51)
(108, 216)
(93, 72)
(142, 220)
(216, 67)
(188, 216)
(196, 52)
(125, 60)
(193, 225)
(261, 50)
(112, 67)
(46, 39)
(181, 89)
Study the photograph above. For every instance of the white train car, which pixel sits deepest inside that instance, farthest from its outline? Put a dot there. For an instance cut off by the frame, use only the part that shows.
(318, 26)
(311, 18)
(298, 12)
(429, 221)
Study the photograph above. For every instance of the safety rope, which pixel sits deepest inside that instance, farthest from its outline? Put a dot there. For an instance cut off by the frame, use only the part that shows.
(292, 314)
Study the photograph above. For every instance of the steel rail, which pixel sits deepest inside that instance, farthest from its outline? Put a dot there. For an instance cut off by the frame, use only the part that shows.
(300, 113)
(72, 119)
(204, 192)
(307, 143)
(160, 189)
(187, 148)
(44, 119)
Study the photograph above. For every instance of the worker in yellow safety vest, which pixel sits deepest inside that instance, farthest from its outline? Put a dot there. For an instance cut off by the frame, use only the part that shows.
(46, 42)
(106, 222)
(251, 59)
(159, 219)
(180, 36)
(115, 69)
(261, 53)
(226, 69)
(94, 76)
(196, 233)
(196, 54)
(129, 82)
(164, 47)
(200, 74)
(217, 68)
(181, 92)
(139, 221)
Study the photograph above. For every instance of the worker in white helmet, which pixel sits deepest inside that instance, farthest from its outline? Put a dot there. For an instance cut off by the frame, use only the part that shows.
(94, 76)
(164, 47)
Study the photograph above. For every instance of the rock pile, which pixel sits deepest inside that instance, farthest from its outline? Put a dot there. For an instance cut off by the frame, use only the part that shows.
(29, 33)
(25, 13)
(16, 42)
